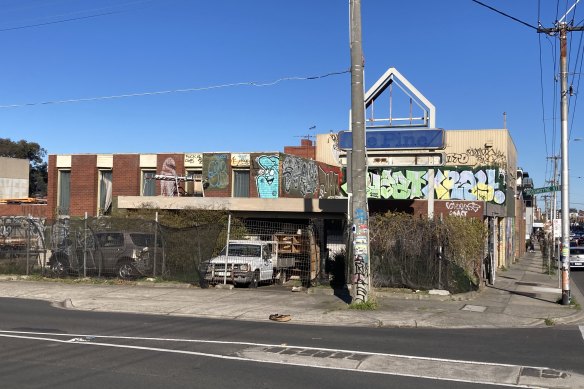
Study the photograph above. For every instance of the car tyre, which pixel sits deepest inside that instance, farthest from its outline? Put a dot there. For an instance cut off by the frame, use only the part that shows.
(255, 280)
(59, 266)
(125, 270)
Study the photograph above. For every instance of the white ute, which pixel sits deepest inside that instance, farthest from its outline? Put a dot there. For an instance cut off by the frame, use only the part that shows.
(244, 262)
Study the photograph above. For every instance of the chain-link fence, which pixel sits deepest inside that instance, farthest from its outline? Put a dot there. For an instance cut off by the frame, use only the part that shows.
(268, 252)
(22, 244)
(405, 251)
(243, 252)
(417, 253)
(128, 248)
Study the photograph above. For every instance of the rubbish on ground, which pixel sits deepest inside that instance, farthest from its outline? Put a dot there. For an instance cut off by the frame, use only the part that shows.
(278, 317)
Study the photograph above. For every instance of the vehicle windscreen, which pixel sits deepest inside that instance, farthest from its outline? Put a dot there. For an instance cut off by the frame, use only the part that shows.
(242, 250)
(577, 251)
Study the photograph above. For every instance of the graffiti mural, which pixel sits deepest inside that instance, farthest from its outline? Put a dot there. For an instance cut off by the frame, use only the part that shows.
(486, 156)
(267, 176)
(167, 188)
(299, 176)
(215, 168)
(480, 184)
(328, 183)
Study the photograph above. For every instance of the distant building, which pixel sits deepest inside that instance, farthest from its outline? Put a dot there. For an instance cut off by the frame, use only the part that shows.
(13, 178)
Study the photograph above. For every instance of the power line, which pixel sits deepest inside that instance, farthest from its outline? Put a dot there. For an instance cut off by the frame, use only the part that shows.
(60, 21)
(250, 83)
(504, 14)
(79, 17)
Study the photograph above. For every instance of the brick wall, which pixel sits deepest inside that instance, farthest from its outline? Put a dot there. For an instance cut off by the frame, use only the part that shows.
(83, 185)
(34, 210)
(126, 175)
(305, 150)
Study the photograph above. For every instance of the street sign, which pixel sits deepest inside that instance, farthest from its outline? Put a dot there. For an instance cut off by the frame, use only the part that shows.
(545, 189)
(401, 138)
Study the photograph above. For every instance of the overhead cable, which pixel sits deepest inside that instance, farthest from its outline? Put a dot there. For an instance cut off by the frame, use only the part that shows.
(198, 89)
(504, 14)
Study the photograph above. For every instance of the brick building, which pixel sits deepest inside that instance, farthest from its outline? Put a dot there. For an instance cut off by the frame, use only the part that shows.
(90, 183)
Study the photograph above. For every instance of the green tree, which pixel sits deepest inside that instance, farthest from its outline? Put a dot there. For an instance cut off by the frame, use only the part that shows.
(38, 166)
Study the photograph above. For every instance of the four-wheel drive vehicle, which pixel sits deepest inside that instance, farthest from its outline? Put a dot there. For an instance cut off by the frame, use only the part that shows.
(125, 254)
(577, 257)
(248, 262)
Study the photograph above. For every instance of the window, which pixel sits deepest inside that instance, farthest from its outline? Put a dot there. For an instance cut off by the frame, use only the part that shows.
(240, 183)
(148, 183)
(113, 239)
(104, 195)
(194, 188)
(64, 192)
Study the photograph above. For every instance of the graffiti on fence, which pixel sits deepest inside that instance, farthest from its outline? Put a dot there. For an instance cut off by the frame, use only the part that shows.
(482, 184)
(267, 176)
(216, 169)
(300, 176)
(167, 188)
(19, 231)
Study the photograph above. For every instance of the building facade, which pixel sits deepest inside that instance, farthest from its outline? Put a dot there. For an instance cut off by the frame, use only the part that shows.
(90, 183)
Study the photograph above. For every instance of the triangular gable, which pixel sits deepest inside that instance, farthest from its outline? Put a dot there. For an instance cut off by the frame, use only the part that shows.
(428, 119)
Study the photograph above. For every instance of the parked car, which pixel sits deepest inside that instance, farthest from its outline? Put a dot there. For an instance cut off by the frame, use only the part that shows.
(577, 257)
(248, 263)
(122, 253)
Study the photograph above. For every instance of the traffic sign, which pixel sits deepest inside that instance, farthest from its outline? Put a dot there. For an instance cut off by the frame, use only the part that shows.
(545, 189)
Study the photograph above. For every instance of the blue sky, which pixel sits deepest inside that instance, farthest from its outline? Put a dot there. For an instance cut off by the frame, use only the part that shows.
(470, 62)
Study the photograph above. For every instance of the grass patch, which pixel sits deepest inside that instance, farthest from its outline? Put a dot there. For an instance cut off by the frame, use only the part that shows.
(575, 304)
(549, 322)
(369, 305)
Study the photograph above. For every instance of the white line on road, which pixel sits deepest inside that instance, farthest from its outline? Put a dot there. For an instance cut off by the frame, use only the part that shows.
(582, 331)
(85, 340)
(260, 345)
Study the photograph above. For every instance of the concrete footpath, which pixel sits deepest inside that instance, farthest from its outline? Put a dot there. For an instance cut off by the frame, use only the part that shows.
(522, 296)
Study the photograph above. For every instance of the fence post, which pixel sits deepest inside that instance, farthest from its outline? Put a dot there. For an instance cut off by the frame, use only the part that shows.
(28, 245)
(227, 249)
(85, 246)
(155, 242)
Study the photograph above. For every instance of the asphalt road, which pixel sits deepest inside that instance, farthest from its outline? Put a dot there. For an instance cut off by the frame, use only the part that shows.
(43, 346)
(577, 277)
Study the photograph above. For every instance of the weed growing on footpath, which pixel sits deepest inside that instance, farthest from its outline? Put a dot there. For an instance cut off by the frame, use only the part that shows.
(549, 322)
(369, 305)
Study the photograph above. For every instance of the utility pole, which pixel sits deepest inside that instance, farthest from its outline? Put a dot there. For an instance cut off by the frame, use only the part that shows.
(553, 212)
(562, 28)
(359, 211)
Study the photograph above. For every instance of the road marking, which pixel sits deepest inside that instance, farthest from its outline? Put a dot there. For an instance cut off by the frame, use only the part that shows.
(582, 331)
(88, 340)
